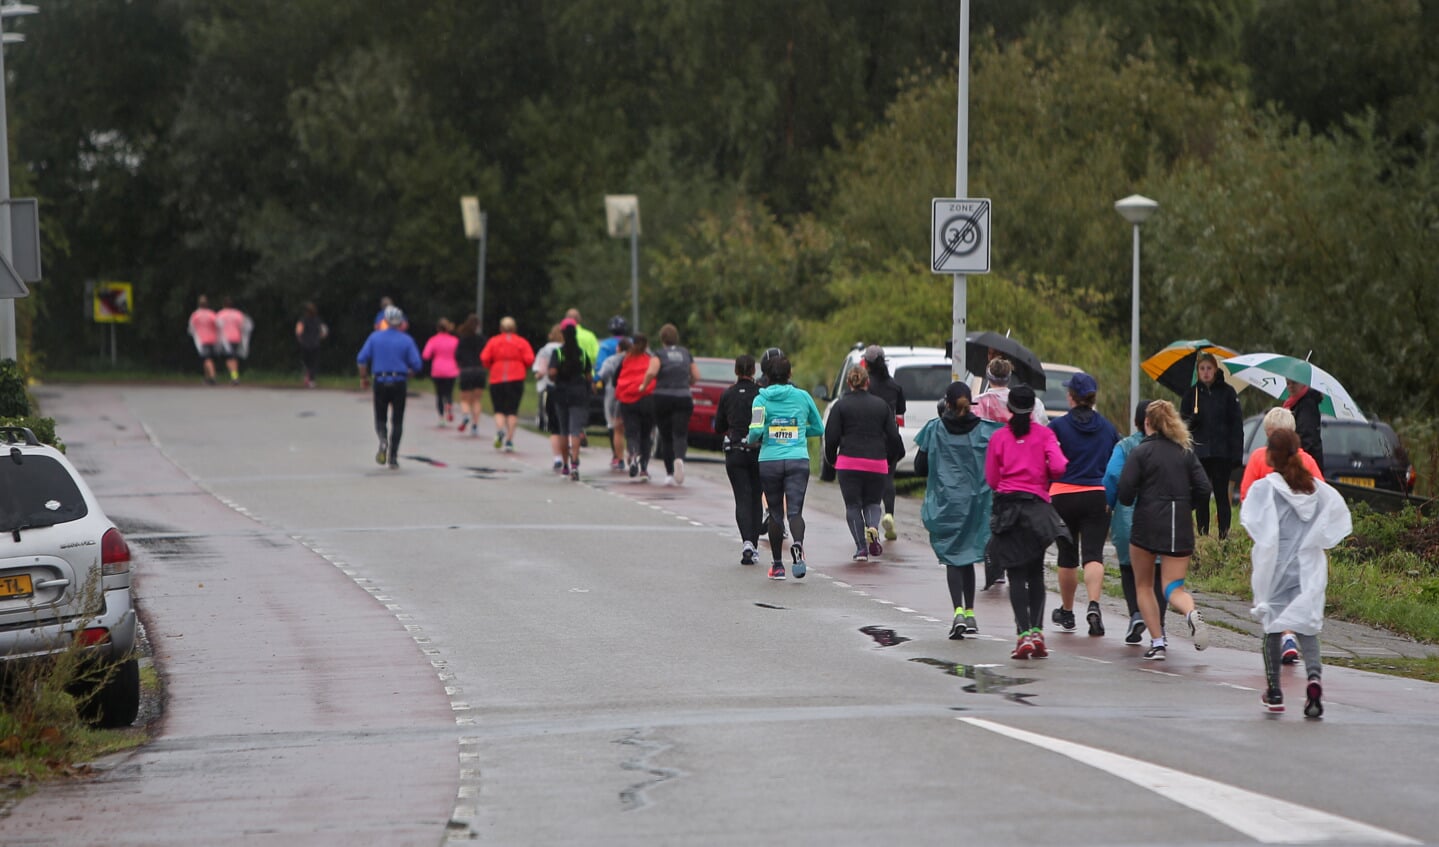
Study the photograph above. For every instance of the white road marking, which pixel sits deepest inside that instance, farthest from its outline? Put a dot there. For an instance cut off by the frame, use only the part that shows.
(1265, 819)
(1092, 659)
(1160, 673)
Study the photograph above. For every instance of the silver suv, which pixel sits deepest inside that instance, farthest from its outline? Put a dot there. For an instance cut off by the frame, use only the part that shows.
(64, 575)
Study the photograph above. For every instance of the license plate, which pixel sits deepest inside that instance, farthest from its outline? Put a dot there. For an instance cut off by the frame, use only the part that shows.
(16, 587)
(1361, 481)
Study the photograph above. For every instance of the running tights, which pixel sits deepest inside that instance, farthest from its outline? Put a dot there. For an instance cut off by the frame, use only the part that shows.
(1026, 595)
(961, 585)
(390, 400)
(743, 472)
(444, 393)
(861, 491)
(1308, 647)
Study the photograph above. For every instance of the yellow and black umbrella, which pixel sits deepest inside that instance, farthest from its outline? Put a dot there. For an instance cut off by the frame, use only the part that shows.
(1174, 367)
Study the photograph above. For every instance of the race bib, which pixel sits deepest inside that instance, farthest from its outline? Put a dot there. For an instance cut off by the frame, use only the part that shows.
(784, 429)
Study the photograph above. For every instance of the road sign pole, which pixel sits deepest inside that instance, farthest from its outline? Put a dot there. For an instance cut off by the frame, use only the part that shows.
(480, 285)
(635, 269)
(959, 329)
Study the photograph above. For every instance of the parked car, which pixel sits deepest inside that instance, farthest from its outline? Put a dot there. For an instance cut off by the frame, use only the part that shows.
(1363, 453)
(64, 576)
(715, 376)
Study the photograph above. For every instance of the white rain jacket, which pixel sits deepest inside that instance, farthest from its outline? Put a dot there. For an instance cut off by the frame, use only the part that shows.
(1291, 531)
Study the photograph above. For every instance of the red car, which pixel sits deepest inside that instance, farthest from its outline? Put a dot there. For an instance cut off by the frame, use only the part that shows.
(715, 376)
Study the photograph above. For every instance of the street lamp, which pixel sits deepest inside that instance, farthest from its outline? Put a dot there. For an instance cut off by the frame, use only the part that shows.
(8, 346)
(622, 216)
(477, 228)
(1136, 209)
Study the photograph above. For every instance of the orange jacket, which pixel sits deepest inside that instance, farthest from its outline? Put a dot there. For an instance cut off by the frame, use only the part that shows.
(507, 357)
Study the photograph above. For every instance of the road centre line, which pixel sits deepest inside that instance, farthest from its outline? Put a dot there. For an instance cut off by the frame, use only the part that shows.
(1263, 818)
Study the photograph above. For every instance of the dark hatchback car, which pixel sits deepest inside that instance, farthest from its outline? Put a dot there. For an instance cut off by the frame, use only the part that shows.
(1363, 453)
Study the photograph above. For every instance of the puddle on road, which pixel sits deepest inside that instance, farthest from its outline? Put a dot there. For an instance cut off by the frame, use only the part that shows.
(988, 679)
(882, 636)
(427, 460)
(306, 414)
(768, 606)
(486, 473)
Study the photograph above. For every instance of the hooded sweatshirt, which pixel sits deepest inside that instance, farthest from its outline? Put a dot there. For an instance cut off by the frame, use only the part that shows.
(782, 417)
(1291, 531)
(1087, 440)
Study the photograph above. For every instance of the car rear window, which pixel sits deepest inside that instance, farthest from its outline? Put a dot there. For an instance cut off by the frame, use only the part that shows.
(1352, 440)
(716, 371)
(922, 382)
(37, 491)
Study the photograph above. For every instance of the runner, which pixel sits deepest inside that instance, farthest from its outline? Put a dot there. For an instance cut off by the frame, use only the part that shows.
(957, 500)
(206, 336)
(619, 333)
(781, 419)
(673, 404)
(546, 419)
(1087, 440)
(571, 371)
(234, 327)
(1022, 460)
(883, 386)
(1161, 478)
(309, 332)
(472, 374)
(440, 353)
(1119, 524)
(1293, 518)
(589, 342)
(506, 356)
(862, 443)
(391, 358)
(633, 386)
(992, 404)
(741, 459)
(1211, 411)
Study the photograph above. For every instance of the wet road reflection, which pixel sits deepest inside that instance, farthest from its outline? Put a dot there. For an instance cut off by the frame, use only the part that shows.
(988, 679)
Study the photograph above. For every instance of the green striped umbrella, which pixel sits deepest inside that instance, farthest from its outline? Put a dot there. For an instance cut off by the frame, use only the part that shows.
(1268, 371)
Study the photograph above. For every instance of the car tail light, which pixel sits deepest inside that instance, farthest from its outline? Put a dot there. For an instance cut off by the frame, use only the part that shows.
(114, 554)
(1410, 480)
(92, 636)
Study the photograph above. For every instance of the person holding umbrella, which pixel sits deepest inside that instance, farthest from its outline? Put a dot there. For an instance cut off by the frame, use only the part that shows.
(1211, 411)
(1304, 402)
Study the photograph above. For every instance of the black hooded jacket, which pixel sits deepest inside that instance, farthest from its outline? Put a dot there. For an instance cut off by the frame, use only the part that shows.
(1215, 421)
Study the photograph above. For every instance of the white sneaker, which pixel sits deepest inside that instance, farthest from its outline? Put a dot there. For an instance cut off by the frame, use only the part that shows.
(887, 522)
(1198, 629)
(669, 480)
(679, 471)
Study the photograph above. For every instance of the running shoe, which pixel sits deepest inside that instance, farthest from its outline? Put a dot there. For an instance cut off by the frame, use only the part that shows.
(1198, 629)
(1313, 704)
(680, 475)
(872, 536)
(776, 570)
(559, 465)
(394, 465)
(1063, 618)
(464, 424)
(442, 424)
(969, 623)
(1095, 618)
(474, 430)
(509, 446)
(669, 480)
(634, 466)
(564, 470)
(888, 523)
(1273, 701)
(1289, 649)
(1024, 648)
(747, 555)
(575, 473)
(450, 414)
(499, 440)
(382, 453)
(956, 629)
(644, 475)
(1036, 640)
(860, 555)
(796, 552)
(1155, 652)
(617, 464)
(1135, 635)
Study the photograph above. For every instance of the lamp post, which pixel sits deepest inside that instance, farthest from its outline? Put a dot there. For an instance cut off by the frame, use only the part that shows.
(477, 228)
(622, 217)
(1136, 209)
(9, 348)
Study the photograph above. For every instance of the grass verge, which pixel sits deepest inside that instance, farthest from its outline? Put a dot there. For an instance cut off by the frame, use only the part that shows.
(1426, 669)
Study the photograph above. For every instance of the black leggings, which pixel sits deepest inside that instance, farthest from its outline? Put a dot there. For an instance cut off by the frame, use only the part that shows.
(888, 496)
(1308, 645)
(742, 468)
(1027, 594)
(444, 392)
(1086, 514)
(1218, 471)
(861, 491)
(390, 401)
(961, 585)
(672, 415)
(639, 430)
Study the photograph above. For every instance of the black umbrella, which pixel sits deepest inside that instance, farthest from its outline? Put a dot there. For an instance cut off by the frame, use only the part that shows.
(1026, 364)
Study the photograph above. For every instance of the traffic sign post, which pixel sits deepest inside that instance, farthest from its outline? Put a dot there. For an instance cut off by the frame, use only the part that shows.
(112, 303)
(959, 235)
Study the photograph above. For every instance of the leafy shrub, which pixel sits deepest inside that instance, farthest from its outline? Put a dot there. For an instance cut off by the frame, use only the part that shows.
(44, 428)
(14, 400)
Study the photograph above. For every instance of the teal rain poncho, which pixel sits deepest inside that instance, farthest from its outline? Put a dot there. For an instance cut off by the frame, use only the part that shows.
(957, 500)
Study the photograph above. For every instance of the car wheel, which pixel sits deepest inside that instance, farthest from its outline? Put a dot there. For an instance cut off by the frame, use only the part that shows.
(116, 703)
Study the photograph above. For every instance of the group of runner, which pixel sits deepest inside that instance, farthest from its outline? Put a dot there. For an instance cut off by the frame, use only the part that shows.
(220, 335)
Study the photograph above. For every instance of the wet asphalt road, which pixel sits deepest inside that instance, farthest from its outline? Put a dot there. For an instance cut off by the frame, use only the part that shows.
(471, 648)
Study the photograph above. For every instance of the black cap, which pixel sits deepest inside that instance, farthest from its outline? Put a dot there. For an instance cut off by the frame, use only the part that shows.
(957, 391)
(1021, 400)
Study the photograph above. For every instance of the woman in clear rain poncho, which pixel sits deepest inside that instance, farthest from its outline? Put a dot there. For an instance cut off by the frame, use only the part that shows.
(1293, 518)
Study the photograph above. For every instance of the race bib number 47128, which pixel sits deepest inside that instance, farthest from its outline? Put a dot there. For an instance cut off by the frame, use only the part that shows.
(784, 429)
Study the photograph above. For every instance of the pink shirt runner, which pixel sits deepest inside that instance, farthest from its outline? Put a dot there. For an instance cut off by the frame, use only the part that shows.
(202, 326)
(440, 353)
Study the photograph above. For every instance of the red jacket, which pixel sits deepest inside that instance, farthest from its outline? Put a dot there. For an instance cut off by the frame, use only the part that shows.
(507, 357)
(632, 373)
